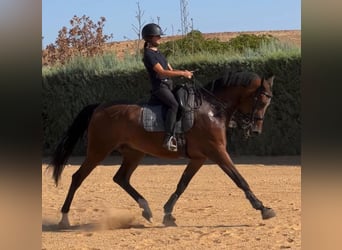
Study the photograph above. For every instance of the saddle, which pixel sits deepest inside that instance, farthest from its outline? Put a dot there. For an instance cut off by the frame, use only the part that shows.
(153, 115)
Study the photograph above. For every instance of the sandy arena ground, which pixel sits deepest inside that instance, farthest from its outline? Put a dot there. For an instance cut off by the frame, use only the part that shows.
(211, 214)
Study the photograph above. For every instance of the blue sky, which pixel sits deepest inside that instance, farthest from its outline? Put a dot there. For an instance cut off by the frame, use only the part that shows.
(208, 15)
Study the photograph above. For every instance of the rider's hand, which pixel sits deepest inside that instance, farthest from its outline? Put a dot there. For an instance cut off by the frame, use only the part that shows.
(187, 74)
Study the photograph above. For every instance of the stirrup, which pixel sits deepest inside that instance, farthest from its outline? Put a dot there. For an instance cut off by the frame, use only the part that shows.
(171, 144)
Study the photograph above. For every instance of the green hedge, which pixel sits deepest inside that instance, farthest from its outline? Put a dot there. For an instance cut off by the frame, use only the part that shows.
(194, 42)
(64, 95)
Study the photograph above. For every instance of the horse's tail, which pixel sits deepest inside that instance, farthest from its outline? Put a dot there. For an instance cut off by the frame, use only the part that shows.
(69, 140)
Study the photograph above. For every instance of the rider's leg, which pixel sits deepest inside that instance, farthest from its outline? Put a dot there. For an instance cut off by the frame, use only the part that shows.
(166, 96)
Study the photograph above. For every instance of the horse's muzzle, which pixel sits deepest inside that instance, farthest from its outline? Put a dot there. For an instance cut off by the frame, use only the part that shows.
(256, 130)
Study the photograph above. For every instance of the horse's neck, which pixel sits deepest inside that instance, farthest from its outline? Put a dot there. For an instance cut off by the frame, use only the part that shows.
(225, 99)
(216, 106)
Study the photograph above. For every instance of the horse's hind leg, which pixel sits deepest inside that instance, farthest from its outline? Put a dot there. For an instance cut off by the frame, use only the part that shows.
(222, 158)
(131, 159)
(78, 177)
(191, 169)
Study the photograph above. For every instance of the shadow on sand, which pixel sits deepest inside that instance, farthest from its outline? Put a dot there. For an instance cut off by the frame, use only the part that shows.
(86, 227)
(99, 226)
(149, 160)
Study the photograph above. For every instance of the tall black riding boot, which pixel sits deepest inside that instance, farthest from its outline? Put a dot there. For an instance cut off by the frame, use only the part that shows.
(170, 142)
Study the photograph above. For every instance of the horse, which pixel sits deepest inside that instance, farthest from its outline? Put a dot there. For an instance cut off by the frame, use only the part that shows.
(242, 96)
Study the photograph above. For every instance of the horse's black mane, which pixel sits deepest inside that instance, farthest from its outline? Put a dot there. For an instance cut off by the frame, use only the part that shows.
(229, 78)
(232, 78)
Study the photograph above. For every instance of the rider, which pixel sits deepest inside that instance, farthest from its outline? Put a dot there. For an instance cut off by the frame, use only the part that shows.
(160, 71)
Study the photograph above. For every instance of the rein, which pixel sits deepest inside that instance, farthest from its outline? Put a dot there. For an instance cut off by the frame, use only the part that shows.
(218, 102)
(222, 104)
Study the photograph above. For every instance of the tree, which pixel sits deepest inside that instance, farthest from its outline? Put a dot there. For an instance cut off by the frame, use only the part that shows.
(137, 29)
(84, 38)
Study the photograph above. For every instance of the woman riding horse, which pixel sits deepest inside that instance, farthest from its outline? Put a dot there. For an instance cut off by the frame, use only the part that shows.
(118, 127)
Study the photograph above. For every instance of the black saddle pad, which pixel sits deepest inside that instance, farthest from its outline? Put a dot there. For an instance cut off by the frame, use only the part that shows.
(152, 120)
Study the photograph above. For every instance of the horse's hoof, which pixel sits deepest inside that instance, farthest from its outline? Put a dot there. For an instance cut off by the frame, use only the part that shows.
(169, 221)
(147, 216)
(64, 223)
(267, 213)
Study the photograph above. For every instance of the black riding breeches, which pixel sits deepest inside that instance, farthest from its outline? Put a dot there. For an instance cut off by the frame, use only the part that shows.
(166, 97)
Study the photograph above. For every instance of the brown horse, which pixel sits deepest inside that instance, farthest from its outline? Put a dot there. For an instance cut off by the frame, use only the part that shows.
(242, 95)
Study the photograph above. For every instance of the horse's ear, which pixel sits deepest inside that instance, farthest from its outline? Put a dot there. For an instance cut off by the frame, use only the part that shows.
(270, 80)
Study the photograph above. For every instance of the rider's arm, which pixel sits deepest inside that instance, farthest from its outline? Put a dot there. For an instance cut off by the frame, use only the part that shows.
(171, 72)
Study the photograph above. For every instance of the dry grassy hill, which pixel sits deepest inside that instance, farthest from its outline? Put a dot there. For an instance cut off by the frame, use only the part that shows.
(288, 36)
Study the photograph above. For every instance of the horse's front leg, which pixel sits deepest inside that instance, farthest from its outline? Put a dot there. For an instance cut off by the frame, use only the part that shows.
(191, 169)
(222, 158)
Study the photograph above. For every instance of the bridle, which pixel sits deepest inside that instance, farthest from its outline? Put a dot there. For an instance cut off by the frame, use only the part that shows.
(247, 120)
(244, 120)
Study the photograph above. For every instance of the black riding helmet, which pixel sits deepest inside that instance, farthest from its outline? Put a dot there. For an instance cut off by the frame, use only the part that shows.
(151, 29)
